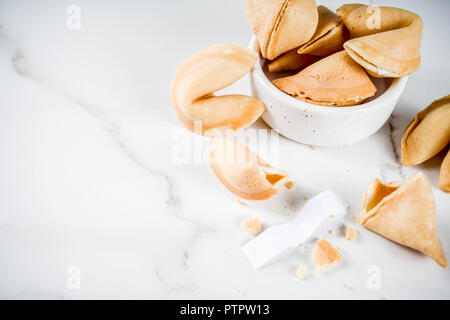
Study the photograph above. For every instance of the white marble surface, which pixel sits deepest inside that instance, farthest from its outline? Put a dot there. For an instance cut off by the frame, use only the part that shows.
(88, 179)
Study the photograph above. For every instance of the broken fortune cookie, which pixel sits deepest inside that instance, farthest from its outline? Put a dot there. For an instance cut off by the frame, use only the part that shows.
(252, 226)
(335, 81)
(325, 257)
(242, 171)
(404, 212)
(386, 40)
(202, 74)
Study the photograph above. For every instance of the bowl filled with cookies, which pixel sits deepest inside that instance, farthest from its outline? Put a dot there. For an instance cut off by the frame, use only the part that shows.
(330, 78)
(325, 78)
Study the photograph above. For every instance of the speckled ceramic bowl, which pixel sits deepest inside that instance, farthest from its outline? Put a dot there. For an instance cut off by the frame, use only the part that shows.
(319, 125)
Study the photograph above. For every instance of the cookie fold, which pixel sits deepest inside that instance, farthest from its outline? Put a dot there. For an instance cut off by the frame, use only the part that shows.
(281, 25)
(404, 212)
(427, 134)
(242, 171)
(291, 60)
(202, 74)
(330, 35)
(329, 38)
(336, 80)
(444, 175)
(386, 39)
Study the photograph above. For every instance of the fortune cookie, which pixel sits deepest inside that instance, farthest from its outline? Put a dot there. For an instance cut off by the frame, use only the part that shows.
(444, 176)
(404, 212)
(330, 35)
(242, 171)
(291, 60)
(427, 134)
(335, 81)
(202, 74)
(386, 40)
(281, 25)
(329, 38)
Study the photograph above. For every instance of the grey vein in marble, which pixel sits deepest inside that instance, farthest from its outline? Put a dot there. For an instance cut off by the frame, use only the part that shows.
(173, 201)
(22, 68)
(394, 146)
(198, 234)
(169, 289)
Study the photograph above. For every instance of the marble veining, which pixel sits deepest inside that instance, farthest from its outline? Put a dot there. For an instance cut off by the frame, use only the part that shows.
(23, 69)
(93, 205)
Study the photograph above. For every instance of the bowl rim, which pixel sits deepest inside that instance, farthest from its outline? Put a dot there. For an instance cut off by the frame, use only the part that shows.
(395, 89)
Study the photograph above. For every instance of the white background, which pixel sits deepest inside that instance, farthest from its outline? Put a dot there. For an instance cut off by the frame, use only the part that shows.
(87, 177)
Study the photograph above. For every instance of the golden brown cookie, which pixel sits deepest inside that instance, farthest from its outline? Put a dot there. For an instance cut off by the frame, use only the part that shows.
(404, 212)
(386, 40)
(427, 134)
(242, 171)
(281, 25)
(202, 74)
(336, 81)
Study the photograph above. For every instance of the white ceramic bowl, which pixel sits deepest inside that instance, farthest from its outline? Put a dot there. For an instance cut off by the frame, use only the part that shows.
(319, 125)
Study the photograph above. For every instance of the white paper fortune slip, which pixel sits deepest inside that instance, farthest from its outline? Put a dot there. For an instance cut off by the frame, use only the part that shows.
(276, 239)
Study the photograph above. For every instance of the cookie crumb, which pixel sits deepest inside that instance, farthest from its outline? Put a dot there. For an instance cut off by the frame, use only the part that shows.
(242, 203)
(302, 272)
(252, 226)
(350, 233)
(325, 257)
(289, 184)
